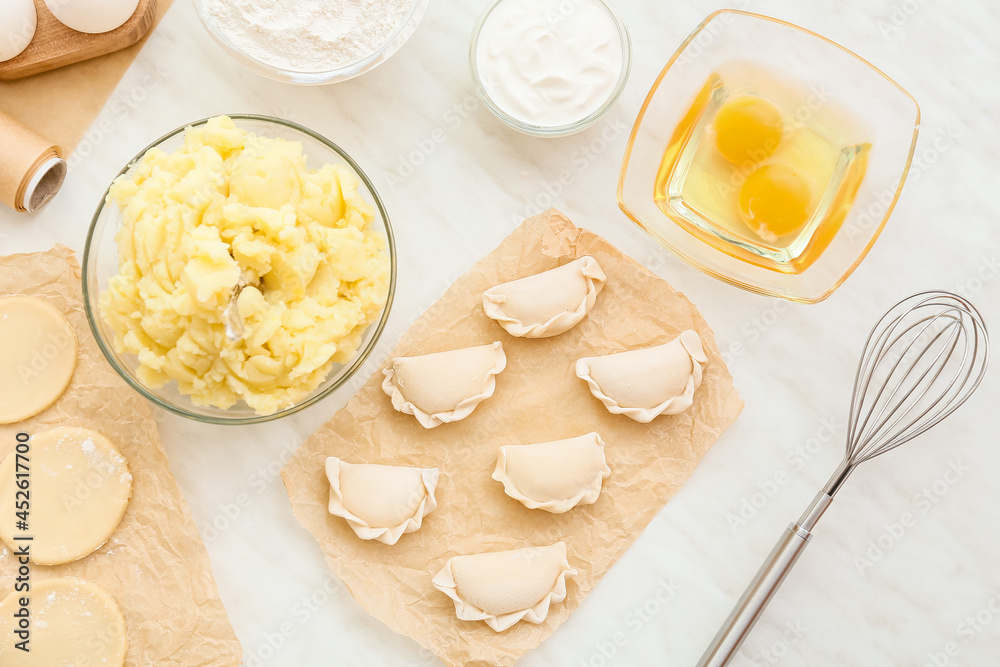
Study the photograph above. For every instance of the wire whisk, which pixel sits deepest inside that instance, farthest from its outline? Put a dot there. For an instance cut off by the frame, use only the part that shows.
(922, 360)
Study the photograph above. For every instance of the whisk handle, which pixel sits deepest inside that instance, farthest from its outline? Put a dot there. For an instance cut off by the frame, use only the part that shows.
(756, 597)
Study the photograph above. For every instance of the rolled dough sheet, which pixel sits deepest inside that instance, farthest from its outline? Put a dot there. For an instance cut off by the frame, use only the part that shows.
(79, 485)
(37, 357)
(72, 622)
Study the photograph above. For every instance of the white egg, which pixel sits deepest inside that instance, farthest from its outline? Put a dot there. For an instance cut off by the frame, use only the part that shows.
(92, 15)
(18, 20)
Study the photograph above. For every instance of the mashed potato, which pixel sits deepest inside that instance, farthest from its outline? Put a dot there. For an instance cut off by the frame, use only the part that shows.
(242, 274)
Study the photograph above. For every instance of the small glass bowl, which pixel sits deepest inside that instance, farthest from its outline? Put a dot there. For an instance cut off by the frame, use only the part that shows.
(557, 130)
(100, 263)
(883, 107)
(357, 68)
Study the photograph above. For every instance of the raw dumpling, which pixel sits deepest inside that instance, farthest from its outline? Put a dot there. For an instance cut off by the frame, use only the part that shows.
(547, 303)
(554, 476)
(504, 587)
(445, 386)
(381, 502)
(645, 383)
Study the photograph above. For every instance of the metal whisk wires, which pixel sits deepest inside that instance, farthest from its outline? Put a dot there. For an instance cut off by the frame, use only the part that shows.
(923, 359)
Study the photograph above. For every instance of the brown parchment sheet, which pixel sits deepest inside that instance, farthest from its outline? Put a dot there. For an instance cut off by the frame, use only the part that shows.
(155, 565)
(24, 152)
(62, 103)
(538, 398)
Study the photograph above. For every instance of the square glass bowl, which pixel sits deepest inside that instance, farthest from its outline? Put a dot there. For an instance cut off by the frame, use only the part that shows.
(832, 79)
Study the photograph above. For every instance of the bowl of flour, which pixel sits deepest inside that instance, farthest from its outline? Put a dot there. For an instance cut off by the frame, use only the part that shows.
(310, 42)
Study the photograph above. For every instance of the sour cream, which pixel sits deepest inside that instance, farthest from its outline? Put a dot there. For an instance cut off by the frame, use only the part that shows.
(549, 63)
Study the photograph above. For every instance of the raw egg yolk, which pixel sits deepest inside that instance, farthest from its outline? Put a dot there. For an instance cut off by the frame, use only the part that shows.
(747, 129)
(776, 200)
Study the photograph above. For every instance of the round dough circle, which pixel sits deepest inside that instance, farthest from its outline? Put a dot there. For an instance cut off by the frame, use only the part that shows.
(79, 485)
(72, 622)
(37, 357)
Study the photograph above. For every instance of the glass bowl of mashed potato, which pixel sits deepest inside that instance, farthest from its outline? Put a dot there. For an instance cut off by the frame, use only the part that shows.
(239, 269)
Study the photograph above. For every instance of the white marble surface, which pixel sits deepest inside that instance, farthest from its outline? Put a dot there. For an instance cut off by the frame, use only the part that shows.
(937, 585)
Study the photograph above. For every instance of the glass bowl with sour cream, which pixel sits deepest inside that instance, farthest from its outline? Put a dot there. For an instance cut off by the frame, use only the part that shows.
(550, 67)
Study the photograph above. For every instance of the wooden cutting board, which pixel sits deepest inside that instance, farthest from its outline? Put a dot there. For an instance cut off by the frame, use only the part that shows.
(56, 45)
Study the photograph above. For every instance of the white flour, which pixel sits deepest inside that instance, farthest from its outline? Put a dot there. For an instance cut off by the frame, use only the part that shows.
(307, 35)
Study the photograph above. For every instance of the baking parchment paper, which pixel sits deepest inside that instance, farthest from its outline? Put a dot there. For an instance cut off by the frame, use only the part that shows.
(538, 398)
(62, 103)
(155, 565)
(24, 153)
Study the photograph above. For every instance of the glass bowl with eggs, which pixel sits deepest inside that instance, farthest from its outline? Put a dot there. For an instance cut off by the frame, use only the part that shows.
(239, 269)
(768, 156)
(310, 43)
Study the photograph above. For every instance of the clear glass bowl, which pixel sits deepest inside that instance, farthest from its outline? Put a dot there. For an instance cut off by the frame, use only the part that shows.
(357, 68)
(100, 263)
(889, 114)
(559, 130)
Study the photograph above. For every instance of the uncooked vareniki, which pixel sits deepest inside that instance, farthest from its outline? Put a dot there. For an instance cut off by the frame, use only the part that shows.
(504, 587)
(381, 502)
(443, 387)
(648, 382)
(554, 476)
(548, 303)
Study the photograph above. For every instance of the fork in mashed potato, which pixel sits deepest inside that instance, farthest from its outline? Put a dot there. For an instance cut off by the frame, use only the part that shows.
(232, 219)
